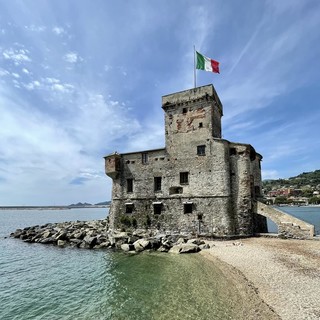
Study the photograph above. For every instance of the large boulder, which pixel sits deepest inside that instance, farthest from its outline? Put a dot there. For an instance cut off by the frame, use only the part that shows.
(184, 248)
(127, 247)
(49, 240)
(141, 245)
(198, 242)
(91, 241)
(46, 234)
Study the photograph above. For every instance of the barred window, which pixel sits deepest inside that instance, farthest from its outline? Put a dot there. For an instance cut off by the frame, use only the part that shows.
(201, 150)
(184, 177)
(145, 158)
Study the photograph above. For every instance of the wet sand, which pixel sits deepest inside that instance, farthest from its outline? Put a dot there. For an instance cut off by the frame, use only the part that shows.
(281, 276)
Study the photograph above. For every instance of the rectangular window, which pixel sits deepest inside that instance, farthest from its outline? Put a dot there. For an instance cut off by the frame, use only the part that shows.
(184, 177)
(233, 151)
(129, 207)
(187, 207)
(157, 208)
(157, 183)
(144, 158)
(129, 185)
(201, 150)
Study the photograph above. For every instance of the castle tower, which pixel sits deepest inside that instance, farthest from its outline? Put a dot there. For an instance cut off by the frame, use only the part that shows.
(191, 116)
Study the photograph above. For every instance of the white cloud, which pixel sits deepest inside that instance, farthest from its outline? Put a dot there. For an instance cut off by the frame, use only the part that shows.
(58, 30)
(32, 85)
(72, 57)
(35, 28)
(52, 80)
(64, 88)
(4, 72)
(18, 56)
(26, 71)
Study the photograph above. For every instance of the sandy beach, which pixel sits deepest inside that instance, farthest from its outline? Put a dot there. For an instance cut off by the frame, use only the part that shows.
(283, 274)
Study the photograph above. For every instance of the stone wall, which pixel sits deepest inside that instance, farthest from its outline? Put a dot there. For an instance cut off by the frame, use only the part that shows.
(288, 226)
(197, 183)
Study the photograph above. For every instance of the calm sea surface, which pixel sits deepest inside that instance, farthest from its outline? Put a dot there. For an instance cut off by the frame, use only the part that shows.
(46, 282)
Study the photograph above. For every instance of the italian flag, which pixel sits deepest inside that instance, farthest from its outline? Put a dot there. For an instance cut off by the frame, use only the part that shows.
(207, 64)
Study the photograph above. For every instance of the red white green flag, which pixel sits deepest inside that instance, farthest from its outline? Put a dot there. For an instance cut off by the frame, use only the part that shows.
(207, 64)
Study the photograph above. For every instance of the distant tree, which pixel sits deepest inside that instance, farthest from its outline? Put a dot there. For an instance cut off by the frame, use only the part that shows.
(314, 200)
(281, 200)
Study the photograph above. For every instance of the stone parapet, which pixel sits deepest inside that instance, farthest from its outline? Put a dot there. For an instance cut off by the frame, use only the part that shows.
(288, 226)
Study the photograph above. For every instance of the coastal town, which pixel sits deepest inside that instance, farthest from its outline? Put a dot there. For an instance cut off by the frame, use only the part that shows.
(303, 189)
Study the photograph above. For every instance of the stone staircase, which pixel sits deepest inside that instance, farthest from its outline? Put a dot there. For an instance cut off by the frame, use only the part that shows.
(288, 226)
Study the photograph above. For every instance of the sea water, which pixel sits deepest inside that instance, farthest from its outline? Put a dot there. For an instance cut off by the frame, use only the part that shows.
(47, 282)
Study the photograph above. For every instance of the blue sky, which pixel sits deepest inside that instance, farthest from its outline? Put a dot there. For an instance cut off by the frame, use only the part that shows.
(81, 79)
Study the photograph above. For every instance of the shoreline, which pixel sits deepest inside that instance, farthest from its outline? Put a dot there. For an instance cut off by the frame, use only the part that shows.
(283, 274)
(255, 308)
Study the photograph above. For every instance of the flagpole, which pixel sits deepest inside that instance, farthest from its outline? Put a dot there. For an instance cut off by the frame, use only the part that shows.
(194, 66)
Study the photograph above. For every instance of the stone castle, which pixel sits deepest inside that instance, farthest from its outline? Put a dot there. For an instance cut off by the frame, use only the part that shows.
(198, 183)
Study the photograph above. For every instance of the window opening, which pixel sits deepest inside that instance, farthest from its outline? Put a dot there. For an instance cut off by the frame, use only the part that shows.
(184, 177)
(200, 125)
(129, 207)
(184, 110)
(144, 158)
(129, 185)
(187, 207)
(157, 208)
(175, 190)
(201, 150)
(157, 183)
(233, 151)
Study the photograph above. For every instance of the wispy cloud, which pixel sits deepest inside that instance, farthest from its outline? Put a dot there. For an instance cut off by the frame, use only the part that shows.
(18, 56)
(58, 30)
(72, 57)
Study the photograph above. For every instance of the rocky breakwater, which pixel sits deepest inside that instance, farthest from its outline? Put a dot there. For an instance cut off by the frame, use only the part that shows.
(81, 234)
(96, 235)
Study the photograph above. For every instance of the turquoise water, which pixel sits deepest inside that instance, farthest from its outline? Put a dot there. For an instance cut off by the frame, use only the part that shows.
(306, 213)
(47, 282)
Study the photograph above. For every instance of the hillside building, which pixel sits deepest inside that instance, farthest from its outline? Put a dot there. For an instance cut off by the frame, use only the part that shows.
(198, 183)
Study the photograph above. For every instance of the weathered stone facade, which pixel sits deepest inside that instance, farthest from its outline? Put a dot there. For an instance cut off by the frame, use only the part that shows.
(198, 183)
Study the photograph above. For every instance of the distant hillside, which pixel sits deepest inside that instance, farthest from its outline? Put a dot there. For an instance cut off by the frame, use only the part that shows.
(85, 204)
(105, 203)
(304, 180)
(80, 204)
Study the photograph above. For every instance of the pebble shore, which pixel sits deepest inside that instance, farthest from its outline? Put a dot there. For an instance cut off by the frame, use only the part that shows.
(284, 273)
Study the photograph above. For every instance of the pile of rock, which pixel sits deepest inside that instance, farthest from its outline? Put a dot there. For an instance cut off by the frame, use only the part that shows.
(96, 235)
(81, 234)
(173, 243)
